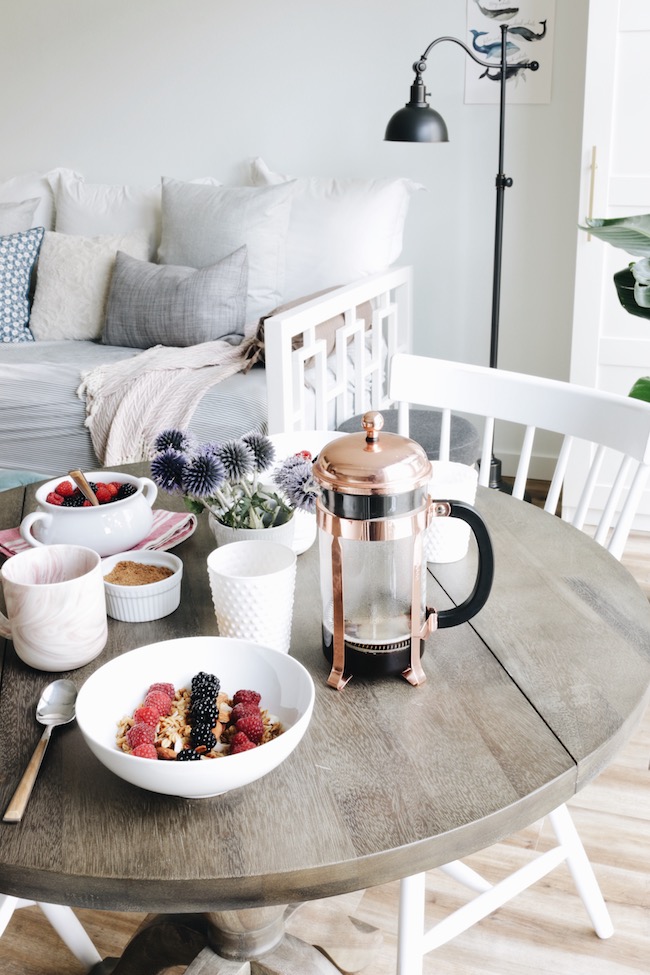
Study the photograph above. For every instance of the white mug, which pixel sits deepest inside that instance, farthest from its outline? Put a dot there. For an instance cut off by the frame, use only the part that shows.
(447, 539)
(56, 607)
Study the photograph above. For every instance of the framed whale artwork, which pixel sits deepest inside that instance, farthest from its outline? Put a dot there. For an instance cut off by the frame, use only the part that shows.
(531, 25)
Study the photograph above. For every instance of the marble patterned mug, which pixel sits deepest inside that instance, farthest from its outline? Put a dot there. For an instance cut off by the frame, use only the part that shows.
(56, 606)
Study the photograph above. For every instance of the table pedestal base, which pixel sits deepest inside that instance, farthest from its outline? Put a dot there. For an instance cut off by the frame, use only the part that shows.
(247, 942)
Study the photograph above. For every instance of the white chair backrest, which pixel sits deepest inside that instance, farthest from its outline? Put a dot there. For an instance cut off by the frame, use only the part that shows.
(608, 421)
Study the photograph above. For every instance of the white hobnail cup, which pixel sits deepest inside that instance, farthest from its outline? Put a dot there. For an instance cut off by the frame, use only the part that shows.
(253, 584)
(447, 539)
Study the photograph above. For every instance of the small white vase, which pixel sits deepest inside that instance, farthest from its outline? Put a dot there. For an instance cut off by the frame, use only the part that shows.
(276, 533)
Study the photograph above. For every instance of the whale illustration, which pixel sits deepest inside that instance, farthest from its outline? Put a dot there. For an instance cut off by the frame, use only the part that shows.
(512, 71)
(527, 34)
(490, 48)
(501, 13)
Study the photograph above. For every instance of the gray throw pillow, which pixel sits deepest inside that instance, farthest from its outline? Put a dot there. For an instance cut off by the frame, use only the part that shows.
(156, 304)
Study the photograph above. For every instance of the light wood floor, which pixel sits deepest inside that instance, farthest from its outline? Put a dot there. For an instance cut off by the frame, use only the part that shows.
(544, 931)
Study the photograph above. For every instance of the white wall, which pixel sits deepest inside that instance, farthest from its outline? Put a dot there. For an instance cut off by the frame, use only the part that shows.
(129, 90)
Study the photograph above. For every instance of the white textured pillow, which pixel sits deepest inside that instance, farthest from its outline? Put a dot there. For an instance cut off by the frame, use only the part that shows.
(93, 209)
(203, 224)
(340, 229)
(34, 185)
(73, 277)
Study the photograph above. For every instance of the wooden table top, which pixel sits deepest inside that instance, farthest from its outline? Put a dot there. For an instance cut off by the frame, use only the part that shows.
(521, 708)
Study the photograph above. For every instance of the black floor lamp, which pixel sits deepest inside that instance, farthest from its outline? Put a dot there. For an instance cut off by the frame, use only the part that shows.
(418, 122)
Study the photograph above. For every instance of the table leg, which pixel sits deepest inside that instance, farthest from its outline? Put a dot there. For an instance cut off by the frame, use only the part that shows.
(244, 942)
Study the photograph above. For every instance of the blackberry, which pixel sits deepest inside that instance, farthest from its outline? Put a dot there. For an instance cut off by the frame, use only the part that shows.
(205, 684)
(201, 734)
(125, 491)
(75, 500)
(204, 711)
(188, 755)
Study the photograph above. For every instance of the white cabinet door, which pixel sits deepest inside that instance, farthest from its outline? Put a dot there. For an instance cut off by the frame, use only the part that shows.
(611, 348)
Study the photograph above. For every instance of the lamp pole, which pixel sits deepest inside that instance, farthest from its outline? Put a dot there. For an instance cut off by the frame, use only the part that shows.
(418, 122)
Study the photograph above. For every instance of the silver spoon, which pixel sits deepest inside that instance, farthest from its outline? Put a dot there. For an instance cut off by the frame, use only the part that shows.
(56, 706)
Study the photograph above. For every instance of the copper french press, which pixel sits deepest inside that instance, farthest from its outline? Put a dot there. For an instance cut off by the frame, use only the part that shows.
(373, 509)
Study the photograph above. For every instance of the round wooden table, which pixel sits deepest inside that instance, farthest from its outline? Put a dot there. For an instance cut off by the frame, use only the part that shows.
(522, 707)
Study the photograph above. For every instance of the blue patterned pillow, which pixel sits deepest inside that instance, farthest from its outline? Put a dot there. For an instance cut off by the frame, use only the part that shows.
(18, 253)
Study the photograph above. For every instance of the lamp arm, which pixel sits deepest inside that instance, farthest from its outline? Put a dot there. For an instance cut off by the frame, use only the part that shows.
(420, 65)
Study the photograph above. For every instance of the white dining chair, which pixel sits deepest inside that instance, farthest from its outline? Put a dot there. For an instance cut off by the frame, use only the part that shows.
(607, 423)
(63, 920)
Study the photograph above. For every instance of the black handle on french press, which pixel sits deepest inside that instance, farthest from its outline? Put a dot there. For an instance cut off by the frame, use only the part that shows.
(478, 597)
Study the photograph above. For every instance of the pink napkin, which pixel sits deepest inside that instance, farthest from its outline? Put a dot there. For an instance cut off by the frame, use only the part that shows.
(169, 528)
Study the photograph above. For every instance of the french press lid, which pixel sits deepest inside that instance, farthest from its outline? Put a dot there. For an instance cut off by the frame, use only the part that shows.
(372, 474)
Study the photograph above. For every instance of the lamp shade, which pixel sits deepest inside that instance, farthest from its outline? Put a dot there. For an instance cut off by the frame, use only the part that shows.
(416, 123)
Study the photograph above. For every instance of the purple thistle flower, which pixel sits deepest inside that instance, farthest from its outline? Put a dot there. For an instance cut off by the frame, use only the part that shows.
(203, 475)
(295, 478)
(262, 449)
(236, 458)
(178, 439)
(167, 469)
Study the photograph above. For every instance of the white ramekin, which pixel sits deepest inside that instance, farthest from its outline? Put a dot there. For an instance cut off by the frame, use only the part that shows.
(137, 604)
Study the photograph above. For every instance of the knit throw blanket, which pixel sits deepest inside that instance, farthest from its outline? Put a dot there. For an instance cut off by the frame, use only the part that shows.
(129, 402)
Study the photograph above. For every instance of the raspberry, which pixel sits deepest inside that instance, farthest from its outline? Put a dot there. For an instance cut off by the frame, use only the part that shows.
(247, 697)
(241, 709)
(86, 504)
(54, 498)
(65, 489)
(112, 487)
(241, 743)
(103, 494)
(146, 715)
(306, 454)
(160, 701)
(145, 751)
(252, 726)
(165, 688)
(140, 734)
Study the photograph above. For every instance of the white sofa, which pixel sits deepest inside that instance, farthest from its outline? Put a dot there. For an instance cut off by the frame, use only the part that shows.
(298, 272)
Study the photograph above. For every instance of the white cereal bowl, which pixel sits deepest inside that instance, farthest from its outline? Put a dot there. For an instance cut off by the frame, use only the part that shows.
(152, 601)
(106, 528)
(119, 686)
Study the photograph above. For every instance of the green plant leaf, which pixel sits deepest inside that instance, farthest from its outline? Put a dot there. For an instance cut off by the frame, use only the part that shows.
(631, 234)
(641, 389)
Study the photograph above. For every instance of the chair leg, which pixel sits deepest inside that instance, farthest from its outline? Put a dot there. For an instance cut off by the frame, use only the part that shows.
(410, 925)
(582, 871)
(69, 928)
(459, 871)
(413, 942)
(7, 907)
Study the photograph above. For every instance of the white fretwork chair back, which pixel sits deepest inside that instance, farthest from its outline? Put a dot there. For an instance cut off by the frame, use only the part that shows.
(63, 920)
(604, 420)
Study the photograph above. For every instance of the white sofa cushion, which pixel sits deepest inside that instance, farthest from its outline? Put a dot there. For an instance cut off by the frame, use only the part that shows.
(94, 209)
(360, 227)
(17, 217)
(164, 304)
(203, 224)
(72, 281)
(28, 186)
